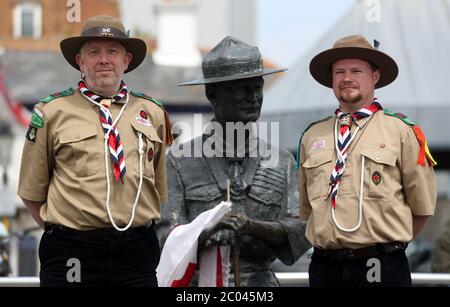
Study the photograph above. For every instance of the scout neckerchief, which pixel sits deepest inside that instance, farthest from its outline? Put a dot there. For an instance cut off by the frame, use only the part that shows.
(344, 139)
(114, 142)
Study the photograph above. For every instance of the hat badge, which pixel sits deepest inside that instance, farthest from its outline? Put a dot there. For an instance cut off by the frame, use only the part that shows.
(107, 32)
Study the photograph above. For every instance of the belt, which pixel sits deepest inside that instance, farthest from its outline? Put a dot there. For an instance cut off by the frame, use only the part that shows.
(107, 232)
(365, 252)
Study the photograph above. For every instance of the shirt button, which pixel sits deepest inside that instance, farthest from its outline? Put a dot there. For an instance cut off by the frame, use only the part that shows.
(377, 158)
(382, 146)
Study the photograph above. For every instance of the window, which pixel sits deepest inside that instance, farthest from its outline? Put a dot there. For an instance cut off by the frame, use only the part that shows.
(27, 18)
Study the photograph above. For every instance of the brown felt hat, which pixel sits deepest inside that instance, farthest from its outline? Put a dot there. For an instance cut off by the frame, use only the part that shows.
(104, 27)
(350, 47)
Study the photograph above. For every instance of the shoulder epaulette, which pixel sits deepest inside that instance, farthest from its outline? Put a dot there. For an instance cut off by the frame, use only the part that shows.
(424, 151)
(64, 93)
(400, 116)
(301, 137)
(169, 135)
(142, 95)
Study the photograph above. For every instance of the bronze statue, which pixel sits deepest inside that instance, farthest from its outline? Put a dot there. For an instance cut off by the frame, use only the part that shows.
(263, 224)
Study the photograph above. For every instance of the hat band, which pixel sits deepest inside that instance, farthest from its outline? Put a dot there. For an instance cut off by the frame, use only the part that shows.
(214, 71)
(104, 32)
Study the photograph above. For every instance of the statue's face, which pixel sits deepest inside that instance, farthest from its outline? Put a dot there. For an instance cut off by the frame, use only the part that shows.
(237, 100)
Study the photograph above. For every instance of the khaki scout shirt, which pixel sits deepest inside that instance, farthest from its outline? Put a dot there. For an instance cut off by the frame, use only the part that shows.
(65, 166)
(403, 188)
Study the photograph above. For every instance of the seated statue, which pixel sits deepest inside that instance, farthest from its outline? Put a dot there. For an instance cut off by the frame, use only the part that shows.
(264, 221)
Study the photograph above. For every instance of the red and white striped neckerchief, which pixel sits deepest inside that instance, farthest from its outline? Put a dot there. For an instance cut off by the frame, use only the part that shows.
(114, 142)
(343, 143)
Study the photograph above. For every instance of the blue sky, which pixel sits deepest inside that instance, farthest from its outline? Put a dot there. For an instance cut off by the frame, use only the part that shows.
(288, 28)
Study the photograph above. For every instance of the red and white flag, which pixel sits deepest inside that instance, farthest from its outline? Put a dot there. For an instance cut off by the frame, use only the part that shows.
(214, 268)
(179, 255)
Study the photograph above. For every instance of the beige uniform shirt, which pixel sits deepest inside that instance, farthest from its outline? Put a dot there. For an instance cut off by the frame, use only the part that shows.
(394, 188)
(64, 163)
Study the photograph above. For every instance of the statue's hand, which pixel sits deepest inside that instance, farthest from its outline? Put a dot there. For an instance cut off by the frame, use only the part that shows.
(236, 221)
(221, 237)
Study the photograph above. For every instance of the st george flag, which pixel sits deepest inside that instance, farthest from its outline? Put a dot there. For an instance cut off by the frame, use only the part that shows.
(179, 255)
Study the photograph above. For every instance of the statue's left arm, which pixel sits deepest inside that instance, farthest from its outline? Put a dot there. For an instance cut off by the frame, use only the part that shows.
(295, 243)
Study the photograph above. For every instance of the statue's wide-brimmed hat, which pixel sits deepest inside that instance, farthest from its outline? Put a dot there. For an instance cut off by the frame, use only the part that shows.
(104, 27)
(232, 59)
(349, 47)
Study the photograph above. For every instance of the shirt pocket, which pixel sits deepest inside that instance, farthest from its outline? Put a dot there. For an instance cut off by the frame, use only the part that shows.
(80, 149)
(152, 145)
(379, 164)
(202, 198)
(318, 169)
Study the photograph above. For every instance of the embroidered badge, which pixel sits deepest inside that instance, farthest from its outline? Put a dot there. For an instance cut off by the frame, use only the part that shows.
(318, 145)
(376, 178)
(143, 121)
(143, 114)
(31, 134)
(37, 120)
(150, 154)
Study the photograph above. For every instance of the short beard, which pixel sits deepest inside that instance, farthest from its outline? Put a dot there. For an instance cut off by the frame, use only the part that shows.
(355, 99)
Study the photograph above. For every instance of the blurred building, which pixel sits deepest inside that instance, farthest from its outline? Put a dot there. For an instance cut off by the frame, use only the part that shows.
(214, 19)
(41, 24)
(177, 32)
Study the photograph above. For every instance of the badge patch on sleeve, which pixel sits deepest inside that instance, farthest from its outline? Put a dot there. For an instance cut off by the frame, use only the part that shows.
(376, 178)
(31, 134)
(37, 119)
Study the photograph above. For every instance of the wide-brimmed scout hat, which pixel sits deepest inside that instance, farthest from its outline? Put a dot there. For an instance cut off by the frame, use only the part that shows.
(104, 27)
(349, 47)
(232, 59)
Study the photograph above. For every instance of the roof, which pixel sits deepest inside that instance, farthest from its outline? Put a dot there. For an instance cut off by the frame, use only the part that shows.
(404, 31)
(32, 75)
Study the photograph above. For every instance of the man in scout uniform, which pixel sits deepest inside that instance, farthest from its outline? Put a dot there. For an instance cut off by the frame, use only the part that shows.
(93, 166)
(366, 181)
(265, 213)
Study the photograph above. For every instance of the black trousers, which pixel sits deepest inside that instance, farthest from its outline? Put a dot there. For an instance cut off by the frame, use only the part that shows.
(387, 270)
(99, 258)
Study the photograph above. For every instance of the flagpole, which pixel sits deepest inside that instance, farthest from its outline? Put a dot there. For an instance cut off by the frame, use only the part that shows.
(237, 275)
